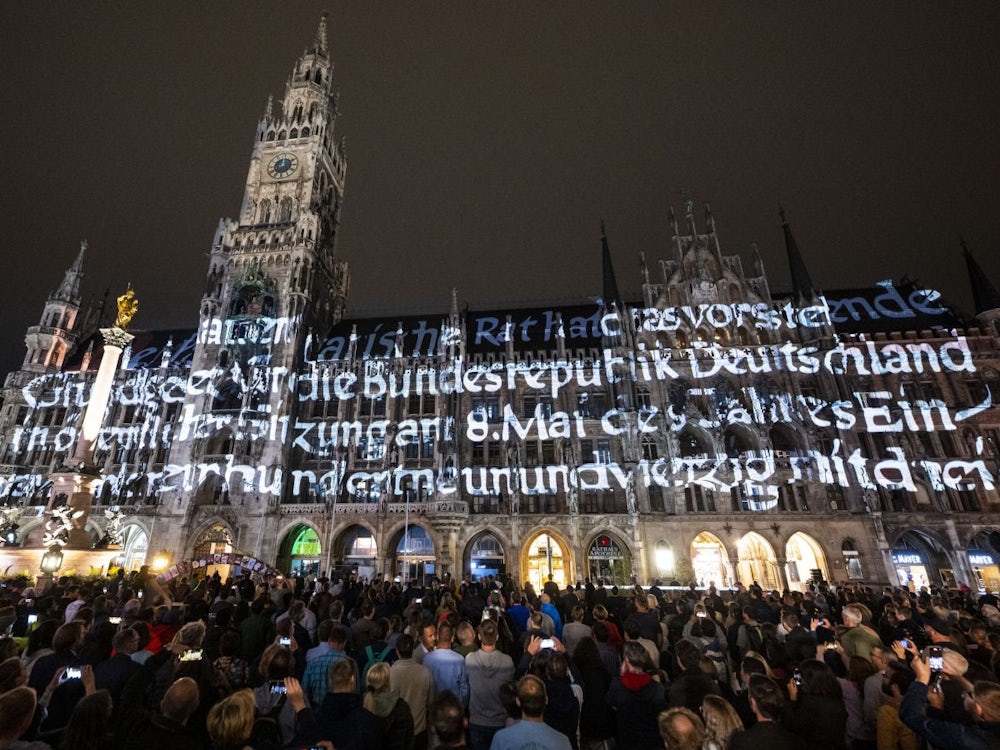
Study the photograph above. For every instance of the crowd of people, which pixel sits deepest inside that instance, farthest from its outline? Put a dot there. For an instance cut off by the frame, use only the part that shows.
(293, 663)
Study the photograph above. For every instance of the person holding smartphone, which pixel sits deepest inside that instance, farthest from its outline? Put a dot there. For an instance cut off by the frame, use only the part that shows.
(983, 703)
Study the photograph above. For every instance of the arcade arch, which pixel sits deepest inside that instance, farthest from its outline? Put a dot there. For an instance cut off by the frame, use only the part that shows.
(135, 546)
(300, 551)
(708, 559)
(804, 555)
(757, 562)
(414, 556)
(484, 556)
(609, 558)
(356, 548)
(546, 556)
(920, 560)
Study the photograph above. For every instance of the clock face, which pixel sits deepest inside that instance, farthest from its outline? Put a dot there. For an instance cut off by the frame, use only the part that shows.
(282, 165)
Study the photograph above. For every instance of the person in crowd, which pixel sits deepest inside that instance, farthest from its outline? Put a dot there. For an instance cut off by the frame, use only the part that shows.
(531, 730)
(66, 645)
(316, 679)
(575, 631)
(112, 673)
(428, 641)
(691, 685)
(637, 697)
(597, 720)
(818, 714)
(721, 722)
(391, 712)
(892, 733)
(89, 725)
(415, 685)
(17, 712)
(168, 728)
(768, 704)
(601, 615)
(858, 639)
(446, 666)
(487, 669)
(984, 702)
(342, 715)
(232, 673)
(447, 721)
(681, 729)
(549, 610)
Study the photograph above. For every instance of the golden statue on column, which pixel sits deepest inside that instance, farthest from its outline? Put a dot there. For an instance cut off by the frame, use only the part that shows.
(128, 306)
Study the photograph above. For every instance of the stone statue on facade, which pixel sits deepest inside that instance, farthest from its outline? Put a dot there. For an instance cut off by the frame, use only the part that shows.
(631, 501)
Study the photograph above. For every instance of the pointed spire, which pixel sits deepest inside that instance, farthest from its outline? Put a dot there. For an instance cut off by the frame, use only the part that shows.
(320, 43)
(672, 218)
(69, 289)
(802, 285)
(689, 217)
(709, 219)
(269, 109)
(984, 295)
(611, 294)
(758, 263)
(454, 302)
(643, 268)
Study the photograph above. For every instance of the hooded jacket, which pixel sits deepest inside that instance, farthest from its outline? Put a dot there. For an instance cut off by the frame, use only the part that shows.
(637, 703)
(487, 671)
(392, 715)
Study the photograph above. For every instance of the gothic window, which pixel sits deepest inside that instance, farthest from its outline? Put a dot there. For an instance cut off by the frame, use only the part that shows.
(282, 135)
(319, 76)
(265, 211)
(294, 133)
(305, 132)
(286, 210)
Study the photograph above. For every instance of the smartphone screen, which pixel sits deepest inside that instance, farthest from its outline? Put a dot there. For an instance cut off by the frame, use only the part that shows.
(935, 659)
(284, 641)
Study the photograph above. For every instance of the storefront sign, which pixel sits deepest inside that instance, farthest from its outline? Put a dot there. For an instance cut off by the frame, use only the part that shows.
(907, 558)
(605, 548)
(981, 558)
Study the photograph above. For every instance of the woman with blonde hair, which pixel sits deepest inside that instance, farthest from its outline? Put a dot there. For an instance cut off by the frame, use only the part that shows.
(721, 722)
(391, 711)
(230, 721)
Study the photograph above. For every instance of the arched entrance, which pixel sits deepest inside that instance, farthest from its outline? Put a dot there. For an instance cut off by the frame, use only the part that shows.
(300, 552)
(921, 561)
(608, 558)
(545, 558)
(757, 562)
(355, 551)
(484, 556)
(135, 546)
(414, 555)
(984, 557)
(805, 559)
(211, 544)
(708, 559)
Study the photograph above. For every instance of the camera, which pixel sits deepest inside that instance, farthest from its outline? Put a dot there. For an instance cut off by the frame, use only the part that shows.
(278, 687)
(284, 641)
(192, 654)
(548, 643)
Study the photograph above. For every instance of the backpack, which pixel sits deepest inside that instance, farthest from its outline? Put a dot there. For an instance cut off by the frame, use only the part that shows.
(714, 651)
(373, 659)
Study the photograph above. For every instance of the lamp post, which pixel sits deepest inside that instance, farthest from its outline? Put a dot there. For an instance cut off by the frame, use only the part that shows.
(51, 562)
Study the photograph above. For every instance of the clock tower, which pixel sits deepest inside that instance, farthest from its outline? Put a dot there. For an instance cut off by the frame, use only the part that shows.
(274, 280)
(273, 274)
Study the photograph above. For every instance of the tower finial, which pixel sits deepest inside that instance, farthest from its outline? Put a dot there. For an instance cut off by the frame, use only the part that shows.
(269, 109)
(672, 219)
(802, 285)
(320, 43)
(611, 293)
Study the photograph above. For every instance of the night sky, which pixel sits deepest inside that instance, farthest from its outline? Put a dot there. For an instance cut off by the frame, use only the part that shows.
(486, 141)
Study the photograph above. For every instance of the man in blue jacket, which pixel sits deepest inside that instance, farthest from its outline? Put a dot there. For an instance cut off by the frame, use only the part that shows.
(983, 703)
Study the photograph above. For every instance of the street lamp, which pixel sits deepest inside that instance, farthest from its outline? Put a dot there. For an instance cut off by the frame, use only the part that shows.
(10, 536)
(52, 560)
(161, 560)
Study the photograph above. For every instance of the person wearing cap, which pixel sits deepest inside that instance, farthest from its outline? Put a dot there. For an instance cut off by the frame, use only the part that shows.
(939, 630)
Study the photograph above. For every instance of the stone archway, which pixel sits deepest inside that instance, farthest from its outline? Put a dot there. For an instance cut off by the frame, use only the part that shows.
(709, 562)
(804, 555)
(546, 556)
(300, 552)
(757, 562)
(484, 556)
